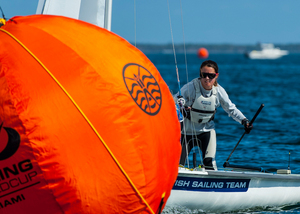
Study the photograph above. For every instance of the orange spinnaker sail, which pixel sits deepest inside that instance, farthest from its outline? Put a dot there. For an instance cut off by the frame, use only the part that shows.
(87, 124)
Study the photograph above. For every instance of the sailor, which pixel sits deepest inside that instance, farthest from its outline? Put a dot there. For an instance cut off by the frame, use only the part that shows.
(202, 97)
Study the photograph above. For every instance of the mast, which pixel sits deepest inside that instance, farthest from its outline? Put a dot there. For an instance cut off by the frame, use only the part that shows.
(108, 14)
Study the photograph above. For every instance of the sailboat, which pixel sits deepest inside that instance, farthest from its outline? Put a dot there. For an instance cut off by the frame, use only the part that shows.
(234, 187)
(82, 129)
(228, 189)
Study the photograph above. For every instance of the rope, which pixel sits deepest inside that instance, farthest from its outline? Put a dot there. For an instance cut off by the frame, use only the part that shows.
(178, 80)
(181, 101)
(187, 79)
(185, 58)
(85, 117)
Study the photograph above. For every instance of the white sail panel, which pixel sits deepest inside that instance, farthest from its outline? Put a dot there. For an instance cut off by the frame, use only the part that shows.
(97, 12)
(92, 11)
(68, 8)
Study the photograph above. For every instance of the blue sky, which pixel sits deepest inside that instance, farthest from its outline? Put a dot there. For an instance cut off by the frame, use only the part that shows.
(204, 22)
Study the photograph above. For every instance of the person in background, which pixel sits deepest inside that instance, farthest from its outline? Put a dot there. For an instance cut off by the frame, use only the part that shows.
(202, 97)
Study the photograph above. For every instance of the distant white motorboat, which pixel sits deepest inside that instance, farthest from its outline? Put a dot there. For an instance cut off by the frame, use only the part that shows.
(225, 191)
(268, 52)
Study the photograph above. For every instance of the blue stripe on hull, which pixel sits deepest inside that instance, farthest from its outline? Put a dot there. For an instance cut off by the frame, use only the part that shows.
(211, 184)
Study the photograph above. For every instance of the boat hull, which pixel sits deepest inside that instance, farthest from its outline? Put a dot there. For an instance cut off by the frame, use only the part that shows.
(215, 191)
(268, 52)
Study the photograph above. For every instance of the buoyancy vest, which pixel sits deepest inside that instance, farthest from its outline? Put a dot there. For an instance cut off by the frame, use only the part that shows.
(203, 108)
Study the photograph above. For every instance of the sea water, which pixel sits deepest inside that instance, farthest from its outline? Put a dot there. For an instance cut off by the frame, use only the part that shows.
(274, 142)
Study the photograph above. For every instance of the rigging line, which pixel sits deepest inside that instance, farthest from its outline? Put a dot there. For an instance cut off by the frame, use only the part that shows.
(186, 145)
(195, 142)
(178, 80)
(187, 76)
(43, 10)
(200, 146)
(199, 151)
(185, 58)
(84, 116)
(2, 13)
(184, 48)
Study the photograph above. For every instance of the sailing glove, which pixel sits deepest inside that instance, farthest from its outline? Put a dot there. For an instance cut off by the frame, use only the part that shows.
(247, 125)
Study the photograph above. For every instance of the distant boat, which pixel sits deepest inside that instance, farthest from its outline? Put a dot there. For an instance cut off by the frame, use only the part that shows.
(268, 52)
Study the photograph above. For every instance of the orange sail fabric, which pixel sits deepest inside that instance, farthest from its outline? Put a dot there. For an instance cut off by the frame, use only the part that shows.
(87, 124)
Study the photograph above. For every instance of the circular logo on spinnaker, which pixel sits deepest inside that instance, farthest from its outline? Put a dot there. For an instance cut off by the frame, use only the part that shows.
(143, 88)
(10, 139)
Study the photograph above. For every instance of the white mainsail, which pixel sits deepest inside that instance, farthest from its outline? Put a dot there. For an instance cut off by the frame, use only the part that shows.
(97, 12)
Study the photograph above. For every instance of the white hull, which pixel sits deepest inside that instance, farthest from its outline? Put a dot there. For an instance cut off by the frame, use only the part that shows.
(220, 191)
(267, 55)
(268, 52)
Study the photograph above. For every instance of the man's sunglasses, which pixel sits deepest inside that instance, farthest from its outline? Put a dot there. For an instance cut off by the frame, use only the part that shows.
(209, 75)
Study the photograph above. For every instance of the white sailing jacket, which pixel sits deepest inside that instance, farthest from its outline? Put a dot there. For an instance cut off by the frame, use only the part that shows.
(188, 92)
(203, 108)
